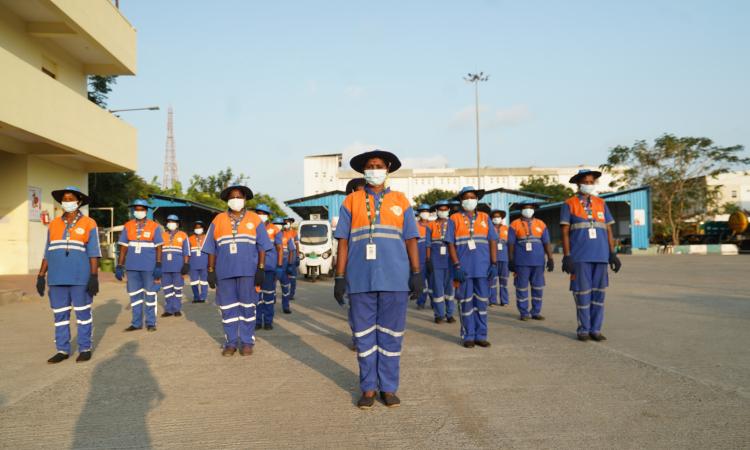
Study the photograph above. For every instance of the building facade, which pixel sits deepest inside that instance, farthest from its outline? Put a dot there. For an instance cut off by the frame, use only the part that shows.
(326, 173)
(51, 135)
(734, 188)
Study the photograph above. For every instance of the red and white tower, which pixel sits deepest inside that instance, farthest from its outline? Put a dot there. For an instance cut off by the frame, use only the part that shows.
(170, 156)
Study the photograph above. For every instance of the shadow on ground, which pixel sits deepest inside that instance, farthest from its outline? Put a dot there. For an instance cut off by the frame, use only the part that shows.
(105, 315)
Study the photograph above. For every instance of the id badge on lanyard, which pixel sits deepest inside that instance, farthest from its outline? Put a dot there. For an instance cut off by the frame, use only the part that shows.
(592, 233)
(371, 253)
(443, 250)
(137, 248)
(499, 246)
(198, 253)
(472, 243)
(235, 226)
(169, 256)
(529, 247)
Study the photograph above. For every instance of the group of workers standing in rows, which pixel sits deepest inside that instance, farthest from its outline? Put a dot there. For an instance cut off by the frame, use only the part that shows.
(460, 259)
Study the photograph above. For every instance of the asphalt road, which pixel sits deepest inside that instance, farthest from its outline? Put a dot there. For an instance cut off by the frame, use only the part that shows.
(675, 373)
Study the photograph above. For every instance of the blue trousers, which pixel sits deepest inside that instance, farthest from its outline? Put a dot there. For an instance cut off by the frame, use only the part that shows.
(441, 285)
(172, 283)
(62, 299)
(142, 291)
(237, 300)
(422, 299)
(286, 290)
(473, 298)
(293, 283)
(378, 320)
(199, 283)
(525, 276)
(499, 285)
(267, 302)
(588, 283)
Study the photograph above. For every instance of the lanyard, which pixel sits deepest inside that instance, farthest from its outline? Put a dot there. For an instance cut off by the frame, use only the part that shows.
(171, 238)
(527, 224)
(443, 229)
(68, 228)
(469, 223)
(373, 217)
(236, 223)
(587, 207)
(199, 240)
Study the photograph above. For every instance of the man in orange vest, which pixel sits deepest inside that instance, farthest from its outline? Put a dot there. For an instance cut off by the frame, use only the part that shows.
(588, 246)
(176, 256)
(528, 242)
(499, 286)
(71, 262)
(198, 264)
(425, 229)
(294, 235)
(289, 258)
(267, 299)
(140, 254)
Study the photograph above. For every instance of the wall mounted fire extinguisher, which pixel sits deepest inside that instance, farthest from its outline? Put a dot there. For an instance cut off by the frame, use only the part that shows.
(44, 217)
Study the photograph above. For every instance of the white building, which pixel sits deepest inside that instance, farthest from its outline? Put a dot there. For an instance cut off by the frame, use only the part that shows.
(735, 188)
(324, 173)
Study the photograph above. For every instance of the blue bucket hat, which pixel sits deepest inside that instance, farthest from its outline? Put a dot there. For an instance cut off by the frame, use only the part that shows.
(288, 218)
(139, 202)
(263, 208)
(467, 189)
(520, 205)
(244, 189)
(173, 218)
(423, 207)
(440, 203)
(582, 173)
(58, 194)
(278, 221)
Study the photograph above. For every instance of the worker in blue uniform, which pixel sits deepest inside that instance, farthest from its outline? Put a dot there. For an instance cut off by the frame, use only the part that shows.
(267, 302)
(198, 263)
(176, 264)
(285, 265)
(439, 266)
(236, 243)
(423, 226)
(472, 246)
(378, 266)
(528, 242)
(353, 185)
(140, 255)
(588, 247)
(499, 286)
(71, 268)
(294, 234)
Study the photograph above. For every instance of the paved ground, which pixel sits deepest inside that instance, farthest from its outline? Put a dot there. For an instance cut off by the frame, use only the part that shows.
(674, 374)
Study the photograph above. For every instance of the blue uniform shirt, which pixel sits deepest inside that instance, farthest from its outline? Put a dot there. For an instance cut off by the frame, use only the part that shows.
(141, 237)
(69, 249)
(198, 258)
(582, 214)
(474, 262)
(423, 242)
(440, 258)
(248, 236)
(502, 243)
(524, 231)
(176, 247)
(272, 256)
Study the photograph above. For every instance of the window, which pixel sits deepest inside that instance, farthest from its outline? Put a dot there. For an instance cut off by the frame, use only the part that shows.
(734, 194)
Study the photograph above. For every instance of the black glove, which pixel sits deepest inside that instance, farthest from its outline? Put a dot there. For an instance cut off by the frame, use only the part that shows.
(428, 267)
(550, 265)
(212, 279)
(339, 290)
(185, 268)
(40, 282)
(260, 276)
(567, 265)
(614, 262)
(93, 285)
(512, 266)
(416, 283)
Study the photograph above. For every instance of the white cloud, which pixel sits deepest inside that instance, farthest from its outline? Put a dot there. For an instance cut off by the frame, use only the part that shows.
(354, 92)
(312, 87)
(511, 116)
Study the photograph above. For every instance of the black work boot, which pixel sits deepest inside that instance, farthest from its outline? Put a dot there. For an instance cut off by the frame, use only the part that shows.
(84, 356)
(598, 337)
(132, 328)
(57, 357)
(390, 399)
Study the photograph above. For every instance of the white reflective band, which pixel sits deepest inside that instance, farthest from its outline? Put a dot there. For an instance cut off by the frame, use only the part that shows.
(84, 322)
(391, 332)
(178, 288)
(63, 247)
(377, 235)
(522, 289)
(438, 300)
(466, 300)
(136, 292)
(178, 295)
(168, 295)
(369, 352)
(481, 299)
(482, 313)
(267, 292)
(151, 304)
(587, 291)
(136, 303)
(82, 308)
(64, 322)
(583, 307)
(141, 244)
(204, 283)
(232, 320)
(193, 283)
(247, 305)
(597, 303)
(469, 312)
(247, 319)
(598, 289)
(63, 309)
(387, 353)
(229, 306)
(63, 241)
(365, 332)
(151, 293)
(168, 287)
(539, 299)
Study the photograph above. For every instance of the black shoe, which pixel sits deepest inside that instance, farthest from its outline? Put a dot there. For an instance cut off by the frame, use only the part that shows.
(598, 337)
(523, 318)
(482, 343)
(503, 305)
(450, 320)
(268, 326)
(167, 314)
(538, 317)
(438, 320)
(132, 328)
(583, 337)
(178, 314)
(196, 301)
(153, 328)
(366, 402)
(390, 399)
(287, 311)
(258, 326)
(84, 356)
(420, 306)
(57, 357)
(469, 344)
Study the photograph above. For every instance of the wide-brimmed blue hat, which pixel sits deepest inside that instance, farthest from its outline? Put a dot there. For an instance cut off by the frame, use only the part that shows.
(278, 221)
(582, 173)
(440, 203)
(501, 211)
(139, 202)
(467, 189)
(58, 194)
(288, 218)
(263, 208)
(244, 189)
(423, 207)
(173, 218)
(358, 162)
(198, 222)
(520, 205)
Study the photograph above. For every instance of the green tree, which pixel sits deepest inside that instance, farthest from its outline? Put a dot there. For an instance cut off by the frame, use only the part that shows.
(547, 186)
(116, 190)
(99, 89)
(206, 190)
(676, 168)
(433, 195)
(730, 208)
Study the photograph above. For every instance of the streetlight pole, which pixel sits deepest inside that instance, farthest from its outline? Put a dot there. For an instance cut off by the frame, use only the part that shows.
(476, 78)
(148, 108)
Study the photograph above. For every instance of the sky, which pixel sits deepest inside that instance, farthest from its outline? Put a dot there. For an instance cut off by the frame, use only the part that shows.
(256, 86)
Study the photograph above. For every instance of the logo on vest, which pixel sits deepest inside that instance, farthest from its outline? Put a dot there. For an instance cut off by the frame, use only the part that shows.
(397, 210)
(249, 225)
(600, 215)
(147, 234)
(483, 224)
(80, 231)
(179, 240)
(538, 229)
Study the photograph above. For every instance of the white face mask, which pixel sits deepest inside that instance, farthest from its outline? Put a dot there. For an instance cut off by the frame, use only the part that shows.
(171, 226)
(497, 220)
(443, 214)
(527, 213)
(263, 217)
(470, 204)
(69, 206)
(375, 177)
(287, 226)
(140, 215)
(432, 218)
(587, 189)
(236, 204)
(424, 215)
(199, 231)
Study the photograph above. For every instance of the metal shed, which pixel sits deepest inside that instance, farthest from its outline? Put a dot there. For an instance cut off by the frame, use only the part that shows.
(326, 205)
(188, 211)
(502, 198)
